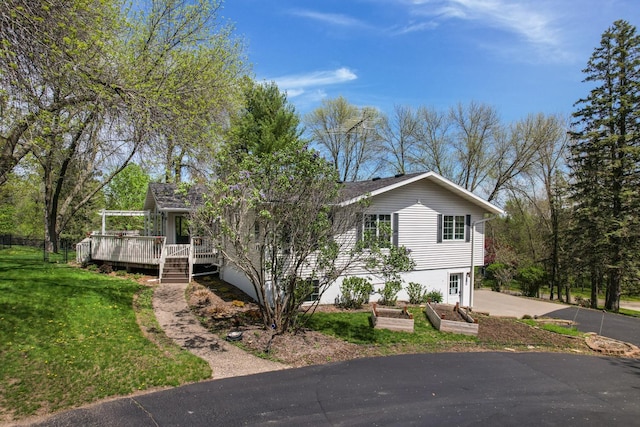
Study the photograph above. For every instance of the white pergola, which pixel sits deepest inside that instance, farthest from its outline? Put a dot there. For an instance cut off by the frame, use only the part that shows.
(105, 213)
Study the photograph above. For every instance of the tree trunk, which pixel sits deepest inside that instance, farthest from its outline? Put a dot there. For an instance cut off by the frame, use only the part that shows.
(595, 280)
(612, 302)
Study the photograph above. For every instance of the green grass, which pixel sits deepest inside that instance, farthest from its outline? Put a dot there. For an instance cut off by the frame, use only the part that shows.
(626, 311)
(354, 327)
(69, 337)
(554, 328)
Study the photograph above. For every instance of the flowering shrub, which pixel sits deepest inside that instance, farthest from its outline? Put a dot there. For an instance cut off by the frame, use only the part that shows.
(354, 292)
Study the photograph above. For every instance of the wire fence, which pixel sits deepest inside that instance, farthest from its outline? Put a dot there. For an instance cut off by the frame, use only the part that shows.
(65, 247)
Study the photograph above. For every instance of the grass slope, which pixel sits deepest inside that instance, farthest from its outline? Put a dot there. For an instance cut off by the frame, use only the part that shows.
(69, 337)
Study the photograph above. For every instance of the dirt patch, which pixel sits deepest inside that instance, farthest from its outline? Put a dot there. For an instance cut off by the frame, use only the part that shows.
(446, 312)
(501, 333)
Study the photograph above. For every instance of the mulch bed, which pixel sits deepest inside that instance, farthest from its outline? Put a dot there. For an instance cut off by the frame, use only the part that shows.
(224, 308)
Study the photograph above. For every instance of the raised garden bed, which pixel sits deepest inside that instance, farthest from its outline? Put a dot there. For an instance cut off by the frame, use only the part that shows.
(393, 319)
(449, 318)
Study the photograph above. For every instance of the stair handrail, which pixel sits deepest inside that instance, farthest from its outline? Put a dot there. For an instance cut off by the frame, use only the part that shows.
(191, 258)
(163, 257)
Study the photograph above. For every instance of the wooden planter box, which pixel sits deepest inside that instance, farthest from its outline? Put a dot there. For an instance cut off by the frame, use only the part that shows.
(470, 327)
(393, 319)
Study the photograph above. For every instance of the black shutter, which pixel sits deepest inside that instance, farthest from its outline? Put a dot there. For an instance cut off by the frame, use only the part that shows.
(395, 229)
(439, 228)
(467, 229)
(359, 227)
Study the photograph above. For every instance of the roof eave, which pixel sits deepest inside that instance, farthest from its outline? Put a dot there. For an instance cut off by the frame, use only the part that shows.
(443, 182)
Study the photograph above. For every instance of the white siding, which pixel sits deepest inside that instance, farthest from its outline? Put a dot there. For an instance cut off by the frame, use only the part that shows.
(238, 279)
(431, 280)
(418, 205)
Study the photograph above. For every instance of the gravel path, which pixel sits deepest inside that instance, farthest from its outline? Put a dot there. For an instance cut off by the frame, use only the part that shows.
(179, 323)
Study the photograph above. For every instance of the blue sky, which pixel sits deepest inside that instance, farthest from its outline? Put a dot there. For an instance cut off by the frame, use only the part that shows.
(520, 56)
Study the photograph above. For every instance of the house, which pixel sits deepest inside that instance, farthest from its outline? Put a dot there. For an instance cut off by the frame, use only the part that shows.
(440, 222)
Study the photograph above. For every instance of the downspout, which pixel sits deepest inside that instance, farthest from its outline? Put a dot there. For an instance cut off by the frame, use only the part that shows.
(473, 269)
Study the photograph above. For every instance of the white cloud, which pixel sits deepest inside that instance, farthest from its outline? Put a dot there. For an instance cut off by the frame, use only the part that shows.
(296, 85)
(330, 18)
(533, 20)
(413, 27)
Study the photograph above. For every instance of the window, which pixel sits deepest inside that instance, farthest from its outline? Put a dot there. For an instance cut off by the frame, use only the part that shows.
(454, 284)
(314, 287)
(377, 227)
(182, 230)
(454, 227)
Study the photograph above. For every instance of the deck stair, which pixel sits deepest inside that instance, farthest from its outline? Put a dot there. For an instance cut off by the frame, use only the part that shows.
(176, 270)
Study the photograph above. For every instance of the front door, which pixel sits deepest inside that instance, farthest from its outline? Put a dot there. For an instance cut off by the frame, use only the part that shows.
(455, 283)
(182, 230)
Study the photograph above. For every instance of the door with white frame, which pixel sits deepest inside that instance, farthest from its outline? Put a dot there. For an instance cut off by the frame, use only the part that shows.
(453, 290)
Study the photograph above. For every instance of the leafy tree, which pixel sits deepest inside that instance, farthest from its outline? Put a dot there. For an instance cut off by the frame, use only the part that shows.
(605, 159)
(348, 136)
(266, 123)
(88, 83)
(53, 56)
(127, 191)
(274, 212)
(21, 206)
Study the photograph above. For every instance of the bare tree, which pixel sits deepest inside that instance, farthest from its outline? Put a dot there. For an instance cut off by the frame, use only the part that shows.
(433, 143)
(399, 134)
(475, 127)
(347, 136)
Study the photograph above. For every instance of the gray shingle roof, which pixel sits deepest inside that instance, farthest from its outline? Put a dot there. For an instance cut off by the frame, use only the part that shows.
(167, 198)
(352, 190)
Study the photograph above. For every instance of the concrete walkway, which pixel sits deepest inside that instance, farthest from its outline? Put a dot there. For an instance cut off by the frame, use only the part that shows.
(499, 304)
(179, 323)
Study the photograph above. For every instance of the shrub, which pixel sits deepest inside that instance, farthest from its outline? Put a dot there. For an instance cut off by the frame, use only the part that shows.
(390, 292)
(500, 274)
(416, 293)
(105, 269)
(434, 296)
(530, 279)
(354, 291)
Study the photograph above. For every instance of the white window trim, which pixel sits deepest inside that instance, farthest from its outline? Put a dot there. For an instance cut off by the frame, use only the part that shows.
(388, 220)
(456, 220)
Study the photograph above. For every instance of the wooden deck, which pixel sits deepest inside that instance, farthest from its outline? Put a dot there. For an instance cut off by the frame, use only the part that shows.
(147, 251)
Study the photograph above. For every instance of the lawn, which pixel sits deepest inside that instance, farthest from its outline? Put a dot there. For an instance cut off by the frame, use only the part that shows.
(70, 336)
(355, 327)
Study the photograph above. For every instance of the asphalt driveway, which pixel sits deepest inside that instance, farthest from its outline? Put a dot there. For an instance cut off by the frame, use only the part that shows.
(612, 325)
(524, 389)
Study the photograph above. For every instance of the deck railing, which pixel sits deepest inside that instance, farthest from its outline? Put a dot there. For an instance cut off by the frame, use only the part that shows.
(131, 249)
(203, 251)
(83, 251)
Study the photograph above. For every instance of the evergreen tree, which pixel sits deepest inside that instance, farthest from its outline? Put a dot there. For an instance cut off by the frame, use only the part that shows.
(605, 163)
